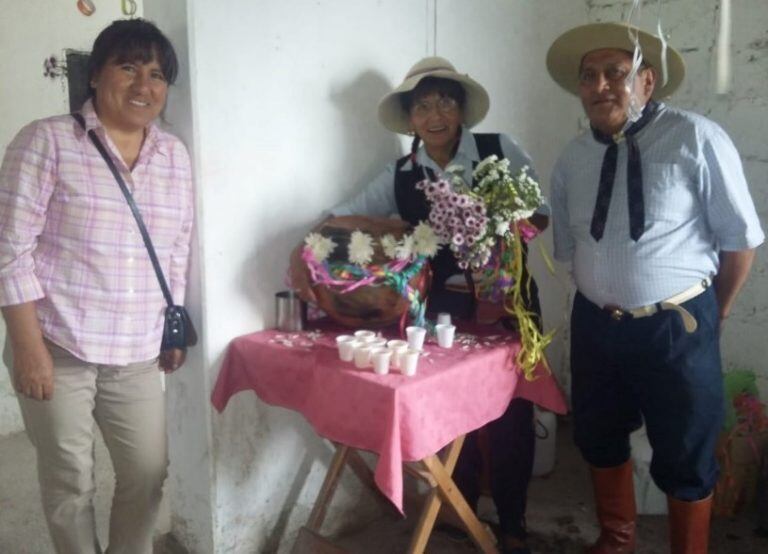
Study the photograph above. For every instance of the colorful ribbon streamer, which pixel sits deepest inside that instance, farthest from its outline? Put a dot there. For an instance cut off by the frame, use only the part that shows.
(346, 277)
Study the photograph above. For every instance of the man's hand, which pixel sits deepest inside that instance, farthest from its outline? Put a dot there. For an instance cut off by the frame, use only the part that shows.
(171, 360)
(33, 370)
(734, 270)
(300, 276)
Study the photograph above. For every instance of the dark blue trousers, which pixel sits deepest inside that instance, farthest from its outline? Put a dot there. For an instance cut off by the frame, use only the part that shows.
(511, 439)
(650, 368)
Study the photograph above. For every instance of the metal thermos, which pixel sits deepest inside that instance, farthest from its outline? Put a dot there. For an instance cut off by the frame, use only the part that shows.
(290, 310)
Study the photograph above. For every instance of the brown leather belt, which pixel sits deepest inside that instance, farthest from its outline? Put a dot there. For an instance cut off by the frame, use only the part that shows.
(672, 303)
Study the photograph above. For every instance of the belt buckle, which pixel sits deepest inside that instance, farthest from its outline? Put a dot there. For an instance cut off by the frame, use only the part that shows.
(616, 314)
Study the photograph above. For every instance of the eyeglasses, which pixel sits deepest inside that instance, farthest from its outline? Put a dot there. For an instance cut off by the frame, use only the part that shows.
(612, 74)
(444, 105)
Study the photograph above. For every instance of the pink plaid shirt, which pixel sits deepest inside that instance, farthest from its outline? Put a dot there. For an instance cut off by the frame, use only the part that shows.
(69, 242)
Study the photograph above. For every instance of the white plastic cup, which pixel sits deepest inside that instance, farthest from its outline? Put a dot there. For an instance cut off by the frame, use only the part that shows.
(346, 345)
(443, 318)
(364, 335)
(362, 356)
(381, 357)
(445, 334)
(409, 360)
(397, 347)
(377, 342)
(396, 342)
(416, 337)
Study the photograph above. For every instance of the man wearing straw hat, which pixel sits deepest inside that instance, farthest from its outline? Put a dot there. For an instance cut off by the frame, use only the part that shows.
(652, 209)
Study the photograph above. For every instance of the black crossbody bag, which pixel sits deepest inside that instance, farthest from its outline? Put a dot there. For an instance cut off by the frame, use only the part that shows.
(178, 331)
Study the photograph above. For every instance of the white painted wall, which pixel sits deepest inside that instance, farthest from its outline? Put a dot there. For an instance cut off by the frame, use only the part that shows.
(190, 486)
(31, 31)
(284, 100)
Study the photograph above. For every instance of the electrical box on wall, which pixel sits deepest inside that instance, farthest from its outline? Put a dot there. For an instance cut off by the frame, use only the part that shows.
(77, 78)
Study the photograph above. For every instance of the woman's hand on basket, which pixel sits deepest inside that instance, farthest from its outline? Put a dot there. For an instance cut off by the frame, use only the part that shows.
(299, 276)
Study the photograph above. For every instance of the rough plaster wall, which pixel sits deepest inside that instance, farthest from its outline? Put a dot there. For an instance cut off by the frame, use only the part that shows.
(31, 31)
(10, 417)
(743, 113)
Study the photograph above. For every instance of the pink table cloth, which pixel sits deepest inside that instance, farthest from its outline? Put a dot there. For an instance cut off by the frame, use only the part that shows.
(400, 418)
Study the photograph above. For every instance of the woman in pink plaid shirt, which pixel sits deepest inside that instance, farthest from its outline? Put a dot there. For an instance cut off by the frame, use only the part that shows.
(80, 298)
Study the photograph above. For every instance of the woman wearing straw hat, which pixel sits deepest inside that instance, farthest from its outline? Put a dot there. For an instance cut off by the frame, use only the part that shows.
(437, 105)
(645, 321)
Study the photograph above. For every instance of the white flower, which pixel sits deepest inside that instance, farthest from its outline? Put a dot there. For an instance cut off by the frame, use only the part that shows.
(455, 169)
(502, 226)
(490, 160)
(426, 242)
(389, 244)
(404, 250)
(517, 215)
(321, 246)
(360, 248)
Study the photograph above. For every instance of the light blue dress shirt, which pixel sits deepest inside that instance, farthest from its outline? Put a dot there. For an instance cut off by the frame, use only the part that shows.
(696, 203)
(378, 198)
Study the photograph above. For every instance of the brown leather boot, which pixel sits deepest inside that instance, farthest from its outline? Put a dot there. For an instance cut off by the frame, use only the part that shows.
(615, 506)
(689, 525)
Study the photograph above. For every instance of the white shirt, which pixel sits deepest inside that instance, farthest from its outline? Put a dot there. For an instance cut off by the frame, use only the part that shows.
(696, 203)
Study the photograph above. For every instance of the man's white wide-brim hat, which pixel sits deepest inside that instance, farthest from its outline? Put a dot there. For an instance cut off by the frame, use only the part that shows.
(565, 55)
(395, 118)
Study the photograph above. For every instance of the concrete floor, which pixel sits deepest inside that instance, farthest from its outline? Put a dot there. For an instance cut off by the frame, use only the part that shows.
(560, 513)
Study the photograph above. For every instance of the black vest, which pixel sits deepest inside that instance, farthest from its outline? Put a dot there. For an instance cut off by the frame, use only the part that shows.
(413, 207)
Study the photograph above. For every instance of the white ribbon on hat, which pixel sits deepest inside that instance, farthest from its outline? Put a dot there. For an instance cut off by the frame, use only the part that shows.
(635, 110)
(660, 32)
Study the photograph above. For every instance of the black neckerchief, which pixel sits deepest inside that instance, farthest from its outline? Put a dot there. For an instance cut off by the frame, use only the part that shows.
(634, 176)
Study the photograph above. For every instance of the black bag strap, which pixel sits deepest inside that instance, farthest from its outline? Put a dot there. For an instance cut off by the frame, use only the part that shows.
(134, 209)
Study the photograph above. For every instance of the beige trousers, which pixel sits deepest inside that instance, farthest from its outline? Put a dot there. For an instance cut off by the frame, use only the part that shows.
(128, 405)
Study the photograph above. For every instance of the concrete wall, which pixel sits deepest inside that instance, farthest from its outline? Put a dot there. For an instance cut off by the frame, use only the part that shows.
(743, 113)
(31, 31)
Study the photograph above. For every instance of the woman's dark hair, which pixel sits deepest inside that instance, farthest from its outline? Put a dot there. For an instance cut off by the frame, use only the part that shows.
(431, 85)
(132, 40)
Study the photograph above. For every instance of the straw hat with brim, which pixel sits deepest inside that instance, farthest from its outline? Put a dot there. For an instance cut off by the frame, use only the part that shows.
(565, 54)
(395, 118)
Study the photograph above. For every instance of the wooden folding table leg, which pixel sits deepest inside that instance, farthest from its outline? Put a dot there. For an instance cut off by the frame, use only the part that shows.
(432, 505)
(363, 471)
(329, 486)
(451, 494)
